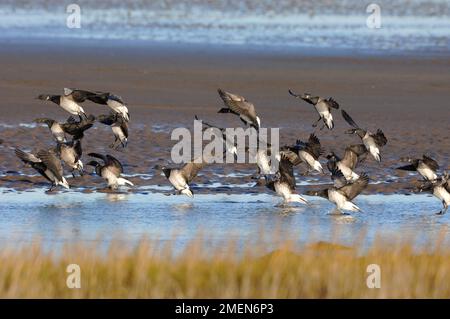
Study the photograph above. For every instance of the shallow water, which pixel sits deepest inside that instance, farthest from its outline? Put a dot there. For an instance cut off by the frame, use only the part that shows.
(71, 217)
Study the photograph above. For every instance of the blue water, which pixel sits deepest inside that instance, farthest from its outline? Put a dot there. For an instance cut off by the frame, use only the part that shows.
(419, 26)
(72, 217)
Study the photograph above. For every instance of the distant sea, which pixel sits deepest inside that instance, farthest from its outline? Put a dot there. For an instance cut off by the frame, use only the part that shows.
(415, 26)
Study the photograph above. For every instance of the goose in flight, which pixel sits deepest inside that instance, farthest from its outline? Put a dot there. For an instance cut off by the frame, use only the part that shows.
(56, 129)
(119, 128)
(373, 142)
(353, 155)
(440, 188)
(69, 101)
(70, 153)
(425, 166)
(180, 178)
(110, 170)
(284, 182)
(115, 102)
(342, 192)
(71, 127)
(239, 106)
(308, 153)
(322, 106)
(47, 164)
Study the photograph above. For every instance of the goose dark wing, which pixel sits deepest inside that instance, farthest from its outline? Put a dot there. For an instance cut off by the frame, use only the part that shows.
(286, 171)
(352, 154)
(114, 165)
(78, 96)
(313, 146)
(338, 178)
(238, 104)
(190, 170)
(348, 119)
(332, 103)
(431, 163)
(27, 158)
(107, 119)
(379, 138)
(77, 129)
(100, 156)
(99, 98)
(354, 189)
(410, 168)
(291, 155)
(52, 162)
(305, 97)
(78, 149)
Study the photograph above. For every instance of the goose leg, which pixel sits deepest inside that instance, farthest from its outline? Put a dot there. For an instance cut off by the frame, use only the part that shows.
(444, 210)
(73, 173)
(317, 122)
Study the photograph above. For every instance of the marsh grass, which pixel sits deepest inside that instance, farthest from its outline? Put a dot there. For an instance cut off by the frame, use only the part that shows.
(152, 270)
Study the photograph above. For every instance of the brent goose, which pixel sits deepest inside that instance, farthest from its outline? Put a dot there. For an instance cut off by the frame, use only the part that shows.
(47, 164)
(284, 182)
(372, 142)
(230, 145)
(322, 106)
(307, 152)
(55, 128)
(238, 105)
(425, 166)
(70, 153)
(113, 101)
(440, 188)
(110, 170)
(70, 100)
(353, 155)
(180, 178)
(343, 192)
(119, 127)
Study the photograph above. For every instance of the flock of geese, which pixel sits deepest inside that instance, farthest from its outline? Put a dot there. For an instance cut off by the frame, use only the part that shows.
(347, 184)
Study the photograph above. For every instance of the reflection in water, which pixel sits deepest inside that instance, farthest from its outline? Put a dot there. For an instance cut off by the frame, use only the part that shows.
(116, 197)
(182, 207)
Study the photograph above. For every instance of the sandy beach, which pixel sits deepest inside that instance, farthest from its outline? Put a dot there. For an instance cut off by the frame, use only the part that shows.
(166, 85)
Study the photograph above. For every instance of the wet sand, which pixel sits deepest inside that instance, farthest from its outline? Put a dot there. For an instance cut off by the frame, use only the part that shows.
(166, 85)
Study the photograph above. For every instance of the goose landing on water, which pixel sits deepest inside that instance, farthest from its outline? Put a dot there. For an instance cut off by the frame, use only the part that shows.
(239, 106)
(373, 142)
(353, 155)
(322, 106)
(47, 164)
(306, 152)
(69, 101)
(284, 182)
(343, 192)
(425, 166)
(70, 153)
(110, 170)
(181, 178)
(119, 127)
(440, 188)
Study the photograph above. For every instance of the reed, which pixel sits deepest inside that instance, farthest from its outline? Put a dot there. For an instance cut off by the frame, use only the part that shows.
(152, 270)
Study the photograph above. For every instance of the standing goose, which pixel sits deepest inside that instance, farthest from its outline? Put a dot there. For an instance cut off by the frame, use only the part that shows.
(284, 182)
(47, 164)
(322, 106)
(425, 166)
(239, 106)
(343, 192)
(69, 101)
(353, 155)
(113, 101)
(308, 153)
(119, 127)
(372, 142)
(110, 170)
(55, 128)
(440, 188)
(70, 153)
(181, 178)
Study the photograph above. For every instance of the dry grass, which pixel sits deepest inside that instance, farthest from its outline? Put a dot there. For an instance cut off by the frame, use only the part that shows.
(321, 270)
